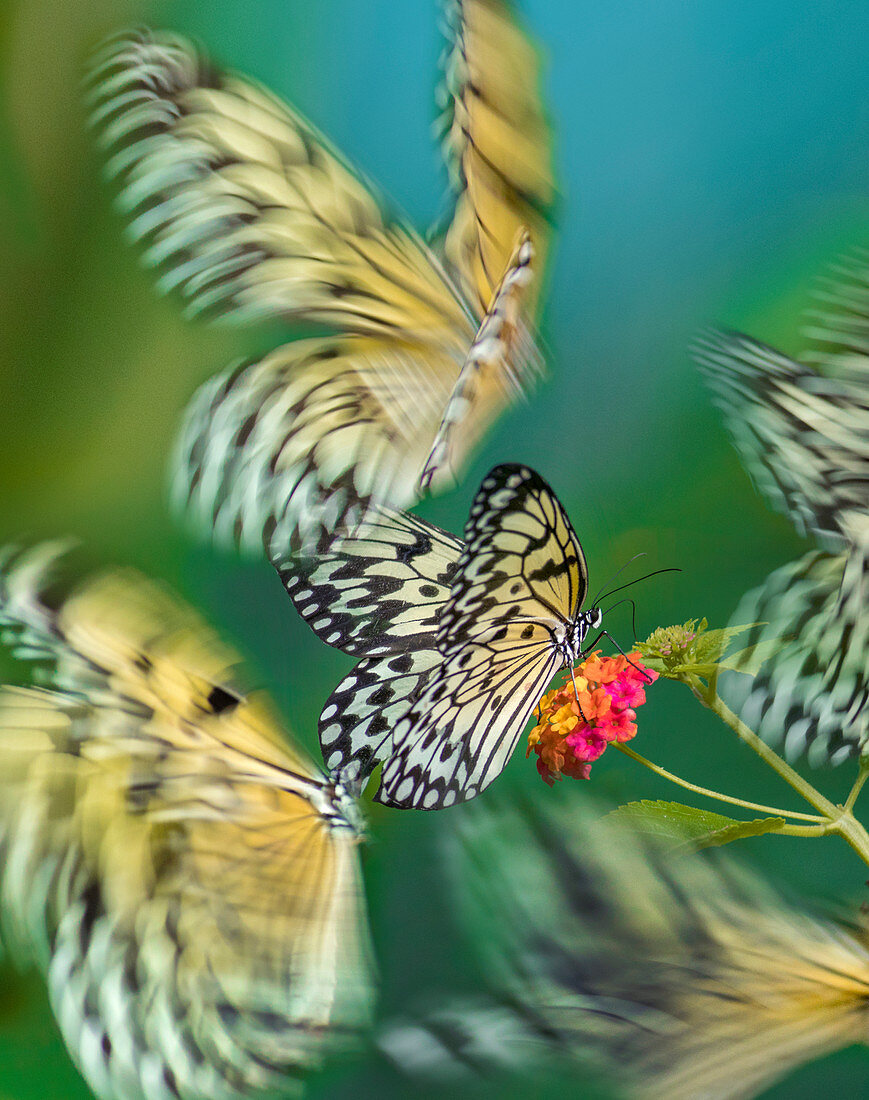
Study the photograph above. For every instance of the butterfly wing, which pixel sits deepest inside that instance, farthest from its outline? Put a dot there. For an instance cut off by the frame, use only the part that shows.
(250, 215)
(837, 326)
(803, 436)
(496, 143)
(186, 878)
(460, 733)
(679, 977)
(308, 440)
(521, 558)
(356, 724)
(811, 697)
(245, 208)
(379, 592)
(519, 584)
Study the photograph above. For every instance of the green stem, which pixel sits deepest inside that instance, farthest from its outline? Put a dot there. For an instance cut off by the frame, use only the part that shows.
(862, 776)
(658, 770)
(710, 699)
(839, 820)
(805, 830)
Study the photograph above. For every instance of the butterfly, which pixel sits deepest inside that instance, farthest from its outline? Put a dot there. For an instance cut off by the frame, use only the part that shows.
(458, 639)
(250, 215)
(803, 434)
(185, 877)
(675, 976)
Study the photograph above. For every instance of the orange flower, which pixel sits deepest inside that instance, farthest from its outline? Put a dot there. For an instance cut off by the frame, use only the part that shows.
(576, 725)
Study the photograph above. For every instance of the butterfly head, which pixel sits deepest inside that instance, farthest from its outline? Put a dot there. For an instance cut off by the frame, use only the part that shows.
(573, 646)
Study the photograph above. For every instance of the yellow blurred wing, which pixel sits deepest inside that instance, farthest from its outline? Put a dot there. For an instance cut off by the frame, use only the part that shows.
(497, 145)
(245, 208)
(309, 438)
(186, 877)
(317, 434)
(250, 215)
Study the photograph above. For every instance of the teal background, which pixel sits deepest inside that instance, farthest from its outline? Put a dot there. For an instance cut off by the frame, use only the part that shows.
(712, 156)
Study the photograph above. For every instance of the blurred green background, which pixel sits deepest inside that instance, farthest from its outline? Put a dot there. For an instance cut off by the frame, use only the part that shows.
(713, 156)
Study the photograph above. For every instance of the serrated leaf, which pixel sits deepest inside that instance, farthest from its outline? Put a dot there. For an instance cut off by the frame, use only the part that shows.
(711, 645)
(687, 827)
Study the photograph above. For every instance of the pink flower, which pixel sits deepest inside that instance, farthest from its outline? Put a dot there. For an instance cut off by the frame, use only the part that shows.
(587, 743)
(576, 726)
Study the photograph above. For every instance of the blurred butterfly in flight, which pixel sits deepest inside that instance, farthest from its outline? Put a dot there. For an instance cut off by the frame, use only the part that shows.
(251, 216)
(803, 434)
(676, 975)
(458, 640)
(183, 874)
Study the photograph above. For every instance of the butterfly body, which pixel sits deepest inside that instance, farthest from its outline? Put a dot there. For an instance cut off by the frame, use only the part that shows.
(572, 646)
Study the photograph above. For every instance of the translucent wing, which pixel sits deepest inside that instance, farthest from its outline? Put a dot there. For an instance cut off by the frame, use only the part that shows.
(186, 878)
(838, 326)
(379, 592)
(520, 583)
(306, 441)
(812, 698)
(496, 143)
(358, 720)
(251, 216)
(246, 209)
(679, 978)
(464, 727)
(522, 559)
(803, 436)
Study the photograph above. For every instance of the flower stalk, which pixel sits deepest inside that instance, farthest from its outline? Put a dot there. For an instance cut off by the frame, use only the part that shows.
(573, 732)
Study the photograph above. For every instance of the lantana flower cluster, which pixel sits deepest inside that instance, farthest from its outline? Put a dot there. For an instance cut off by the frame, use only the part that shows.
(575, 727)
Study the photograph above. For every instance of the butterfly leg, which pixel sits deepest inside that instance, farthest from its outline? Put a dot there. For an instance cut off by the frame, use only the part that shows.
(605, 634)
(576, 694)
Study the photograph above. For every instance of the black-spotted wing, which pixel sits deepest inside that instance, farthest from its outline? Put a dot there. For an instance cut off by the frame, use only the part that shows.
(517, 590)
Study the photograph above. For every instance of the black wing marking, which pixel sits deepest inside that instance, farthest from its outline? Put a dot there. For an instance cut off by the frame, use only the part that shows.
(360, 716)
(811, 697)
(380, 591)
(803, 436)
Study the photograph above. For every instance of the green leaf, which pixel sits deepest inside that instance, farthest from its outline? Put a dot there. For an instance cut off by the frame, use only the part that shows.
(686, 827)
(710, 645)
(676, 652)
(750, 659)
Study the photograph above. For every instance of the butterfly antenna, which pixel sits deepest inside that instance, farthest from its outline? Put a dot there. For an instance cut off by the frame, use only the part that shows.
(627, 599)
(645, 577)
(594, 602)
